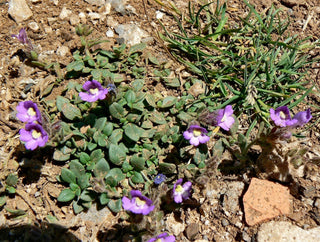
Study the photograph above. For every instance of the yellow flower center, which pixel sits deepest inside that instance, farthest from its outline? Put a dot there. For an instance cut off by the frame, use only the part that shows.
(31, 112)
(223, 118)
(179, 188)
(36, 134)
(140, 202)
(196, 133)
(158, 240)
(282, 115)
(94, 91)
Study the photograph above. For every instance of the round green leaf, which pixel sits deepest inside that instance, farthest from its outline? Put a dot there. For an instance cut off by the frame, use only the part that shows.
(59, 156)
(71, 111)
(116, 110)
(137, 162)
(104, 199)
(115, 205)
(116, 174)
(133, 131)
(68, 176)
(101, 169)
(168, 102)
(137, 177)
(116, 154)
(66, 195)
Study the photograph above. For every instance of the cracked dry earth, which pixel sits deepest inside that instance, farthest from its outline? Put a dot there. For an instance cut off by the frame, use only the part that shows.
(216, 211)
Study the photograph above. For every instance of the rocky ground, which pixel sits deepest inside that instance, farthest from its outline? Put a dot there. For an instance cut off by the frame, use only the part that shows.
(224, 207)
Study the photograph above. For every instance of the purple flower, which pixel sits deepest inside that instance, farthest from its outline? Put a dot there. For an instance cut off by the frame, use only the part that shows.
(34, 135)
(196, 135)
(94, 91)
(281, 116)
(159, 179)
(28, 112)
(181, 192)
(302, 117)
(138, 204)
(223, 118)
(164, 237)
(22, 37)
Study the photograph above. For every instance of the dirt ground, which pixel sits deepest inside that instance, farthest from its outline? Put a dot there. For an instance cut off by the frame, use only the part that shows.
(209, 218)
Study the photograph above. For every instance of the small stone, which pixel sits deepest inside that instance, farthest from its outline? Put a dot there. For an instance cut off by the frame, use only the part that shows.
(131, 33)
(245, 236)
(292, 3)
(110, 33)
(83, 17)
(317, 203)
(63, 51)
(173, 226)
(96, 2)
(48, 30)
(19, 10)
(33, 26)
(224, 222)
(94, 16)
(74, 20)
(159, 14)
(231, 197)
(111, 22)
(285, 231)
(65, 13)
(265, 200)
(192, 230)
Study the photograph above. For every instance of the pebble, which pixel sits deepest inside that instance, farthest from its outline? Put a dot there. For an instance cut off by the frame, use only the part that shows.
(110, 33)
(192, 230)
(96, 2)
(280, 231)
(265, 200)
(224, 222)
(94, 15)
(33, 26)
(231, 197)
(159, 14)
(19, 10)
(65, 13)
(131, 33)
(74, 20)
(83, 17)
(62, 51)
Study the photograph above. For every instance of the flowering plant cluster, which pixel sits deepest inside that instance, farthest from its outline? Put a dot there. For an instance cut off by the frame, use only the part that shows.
(33, 134)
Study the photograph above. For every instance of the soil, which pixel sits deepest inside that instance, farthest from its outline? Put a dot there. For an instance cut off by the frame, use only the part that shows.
(208, 217)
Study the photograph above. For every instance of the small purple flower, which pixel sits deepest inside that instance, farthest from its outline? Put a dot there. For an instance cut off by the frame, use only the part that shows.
(22, 37)
(281, 116)
(181, 192)
(138, 204)
(302, 117)
(34, 135)
(159, 179)
(28, 112)
(196, 135)
(224, 118)
(94, 91)
(164, 237)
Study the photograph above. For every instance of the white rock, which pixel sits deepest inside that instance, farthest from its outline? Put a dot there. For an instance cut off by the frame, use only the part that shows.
(19, 10)
(110, 33)
(94, 15)
(55, 2)
(159, 14)
(131, 33)
(33, 26)
(286, 232)
(65, 13)
(174, 226)
(83, 17)
(62, 51)
(96, 2)
(111, 22)
(107, 8)
(36, 1)
(74, 20)
(48, 30)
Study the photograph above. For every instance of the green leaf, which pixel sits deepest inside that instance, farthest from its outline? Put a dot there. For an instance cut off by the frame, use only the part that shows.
(108, 128)
(137, 162)
(115, 205)
(76, 207)
(137, 84)
(100, 123)
(88, 195)
(167, 168)
(126, 167)
(76, 65)
(83, 180)
(116, 174)
(116, 110)
(101, 169)
(104, 199)
(66, 195)
(133, 131)
(15, 212)
(59, 156)
(11, 190)
(77, 168)
(157, 118)
(168, 102)
(71, 111)
(130, 96)
(3, 201)
(12, 180)
(84, 158)
(137, 48)
(96, 155)
(68, 176)
(61, 101)
(116, 136)
(137, 177)
(116, 154)
(151, 100)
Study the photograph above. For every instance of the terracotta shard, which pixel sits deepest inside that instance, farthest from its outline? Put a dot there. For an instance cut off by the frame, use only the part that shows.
(265, 200)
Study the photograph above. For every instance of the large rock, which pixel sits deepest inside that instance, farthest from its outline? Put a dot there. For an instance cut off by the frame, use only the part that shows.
(19, 10)
(265, 200)
(286, 232)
